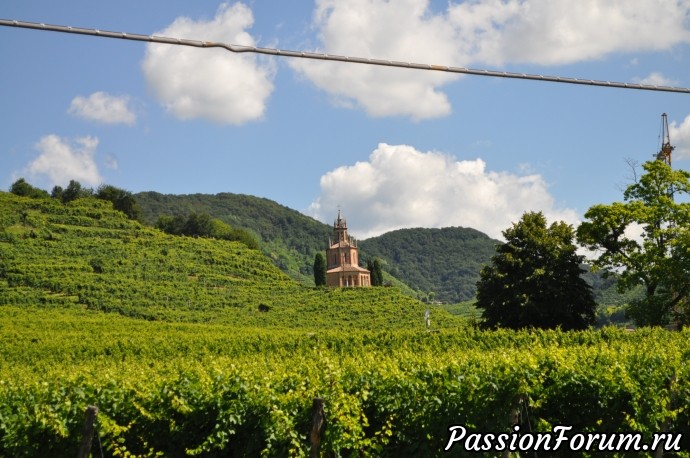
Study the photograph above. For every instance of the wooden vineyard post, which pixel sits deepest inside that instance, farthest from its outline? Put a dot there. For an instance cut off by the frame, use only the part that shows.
(318, 422)
(87, 432)
(513, 419)
(673, 401)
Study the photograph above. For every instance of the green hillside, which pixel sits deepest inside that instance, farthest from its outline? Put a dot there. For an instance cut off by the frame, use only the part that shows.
(288, 237)
(444, 261)
(85, 254)
(418, 261)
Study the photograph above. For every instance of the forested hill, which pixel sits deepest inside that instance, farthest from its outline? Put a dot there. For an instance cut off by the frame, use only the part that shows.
(83, 255)
(288, 237)
(444, 261)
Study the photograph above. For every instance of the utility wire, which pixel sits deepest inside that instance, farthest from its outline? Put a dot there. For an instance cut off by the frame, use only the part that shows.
(336, 58)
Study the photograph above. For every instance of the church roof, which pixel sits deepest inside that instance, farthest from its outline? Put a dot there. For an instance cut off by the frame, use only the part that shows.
(341, 244)
(347, 268)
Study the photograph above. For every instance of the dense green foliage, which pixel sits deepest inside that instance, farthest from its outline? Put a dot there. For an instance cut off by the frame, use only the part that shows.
(87, 254)
(288, 237)
(202, 225)
(73, 191)
(180, 389)
(534, 279)
(202, 347)
(659, 259)
(24, 189)
(611, 303)
(122, 200)
(605, 288)
(444, 261)
(376, 270)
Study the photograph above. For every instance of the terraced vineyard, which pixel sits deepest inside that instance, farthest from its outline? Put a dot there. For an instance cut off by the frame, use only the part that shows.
(87, 255)
(199, 347)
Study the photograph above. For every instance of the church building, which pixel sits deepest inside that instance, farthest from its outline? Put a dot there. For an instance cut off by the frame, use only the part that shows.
(342, 260)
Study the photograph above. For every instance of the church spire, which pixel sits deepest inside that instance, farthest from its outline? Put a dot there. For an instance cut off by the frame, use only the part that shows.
(340, 222)
(340, 229)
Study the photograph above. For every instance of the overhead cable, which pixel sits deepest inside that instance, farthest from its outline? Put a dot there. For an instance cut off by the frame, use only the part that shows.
(337, 58)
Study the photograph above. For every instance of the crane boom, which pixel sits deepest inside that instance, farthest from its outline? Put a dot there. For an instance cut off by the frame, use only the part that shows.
(664, 153)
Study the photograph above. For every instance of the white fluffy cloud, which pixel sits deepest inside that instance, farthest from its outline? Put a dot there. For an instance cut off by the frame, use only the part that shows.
(400, 186)
(680, 138)
(493, 32)
(104, 108)
(212, 83)
(401, 30)
(61, 160)
(553, 33)
(657, 79)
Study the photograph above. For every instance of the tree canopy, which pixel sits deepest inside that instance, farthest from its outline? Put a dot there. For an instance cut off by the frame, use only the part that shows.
(288, 237)
(73, 191)
(122, 200)
(203, 225)
(24, 189)
(646, 240)
(534, 279)
(446, 261)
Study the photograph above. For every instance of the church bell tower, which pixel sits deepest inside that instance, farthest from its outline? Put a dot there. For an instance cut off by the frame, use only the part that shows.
(342, 259)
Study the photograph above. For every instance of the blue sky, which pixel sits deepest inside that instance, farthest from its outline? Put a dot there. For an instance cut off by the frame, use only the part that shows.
(393, 147)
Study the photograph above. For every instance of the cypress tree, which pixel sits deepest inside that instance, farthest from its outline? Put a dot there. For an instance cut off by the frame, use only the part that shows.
(319, 270)
(374, 267)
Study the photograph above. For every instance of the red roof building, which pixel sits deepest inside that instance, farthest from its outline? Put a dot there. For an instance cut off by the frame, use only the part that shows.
(342, 259)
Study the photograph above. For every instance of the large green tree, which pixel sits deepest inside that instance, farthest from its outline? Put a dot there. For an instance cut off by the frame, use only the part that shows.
(646, 241)
(122, 200)
(22, 188)
(73, 191)
(534, 279)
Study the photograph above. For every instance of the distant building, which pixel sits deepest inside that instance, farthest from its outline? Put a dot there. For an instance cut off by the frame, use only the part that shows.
(342, 259)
